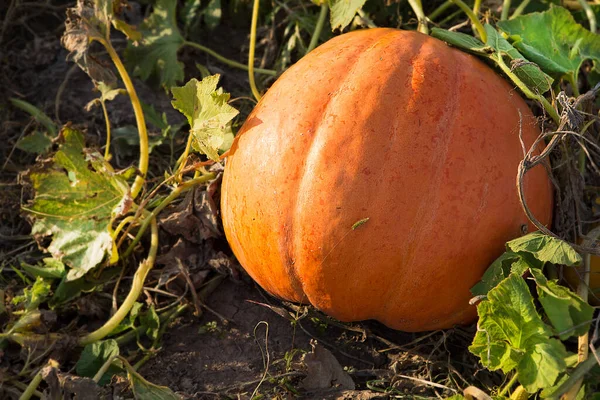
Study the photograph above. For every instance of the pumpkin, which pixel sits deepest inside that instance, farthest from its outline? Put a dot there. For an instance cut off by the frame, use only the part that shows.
(376, 180)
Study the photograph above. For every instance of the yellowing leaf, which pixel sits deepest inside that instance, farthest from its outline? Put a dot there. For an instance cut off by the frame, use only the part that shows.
(207, 112)
(343, 11)
(76, 196)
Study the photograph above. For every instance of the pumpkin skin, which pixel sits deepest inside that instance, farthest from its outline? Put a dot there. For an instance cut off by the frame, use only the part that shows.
(399, 128)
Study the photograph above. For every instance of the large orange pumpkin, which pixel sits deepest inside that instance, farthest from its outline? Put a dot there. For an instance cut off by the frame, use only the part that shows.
(398, 128)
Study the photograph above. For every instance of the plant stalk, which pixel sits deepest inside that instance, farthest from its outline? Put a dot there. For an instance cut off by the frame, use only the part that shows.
(510, 384)
(151, 216)
(589, 13)
(107, 121)
(32, 387)
(474, 20)
(314, 40)
(440, 10)
(545, 103)
(228, 61)
(134, 292)
(253, 87)
(505, 10)
(519, 10)
(139, 118)
(417, 8)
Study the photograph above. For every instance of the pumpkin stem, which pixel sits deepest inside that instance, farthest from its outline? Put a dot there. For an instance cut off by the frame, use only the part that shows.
(418, 10)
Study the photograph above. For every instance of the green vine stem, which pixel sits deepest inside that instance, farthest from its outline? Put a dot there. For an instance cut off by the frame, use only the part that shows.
(318, 28)
(575, 375)
(474, 20)
(253, 87)
(505, 10)
(121, 225)
(35, 382)
(507, 387)
(32, 387)
(134, 292)
(152, 216)
(583, 341)
(440, 10)
(582, 153)
(477, 7)
(227, 61)
(519, 10)
(589, 13)
(22, 386)
(104, 368)
(135, 332)
(107, 122)
(182, 160)
(545, 103)
(139, 117)
(418, 10)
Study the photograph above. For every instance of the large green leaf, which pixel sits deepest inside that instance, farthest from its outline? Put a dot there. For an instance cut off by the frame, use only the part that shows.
(553, 40)
(569, 314)
(207, 112)
(156, 54)
(545, 249)
(76, 196)
(92, 358)
(511, 335)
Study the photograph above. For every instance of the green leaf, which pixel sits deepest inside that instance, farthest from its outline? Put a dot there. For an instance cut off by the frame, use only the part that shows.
(553, 40)
(34, 296)
(511, 335)
(151, 321)
(462, 41)
(156, 54)
(129, 322)
(496, 273)
(343, 11)
(545, 249)
(94, 356)
(37, 114)
(144, 390)
(51, 269)
(76, 197)
(207, 112)
(130, 31)
(189, 13)
(37, 143)
(569, 314)
(212, 14)
(68, 290)
(527, 71)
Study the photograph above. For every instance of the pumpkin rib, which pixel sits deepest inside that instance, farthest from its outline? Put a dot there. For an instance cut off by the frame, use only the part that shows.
(351, 280)
(315, 152)
(420, 227)
(267, 270)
